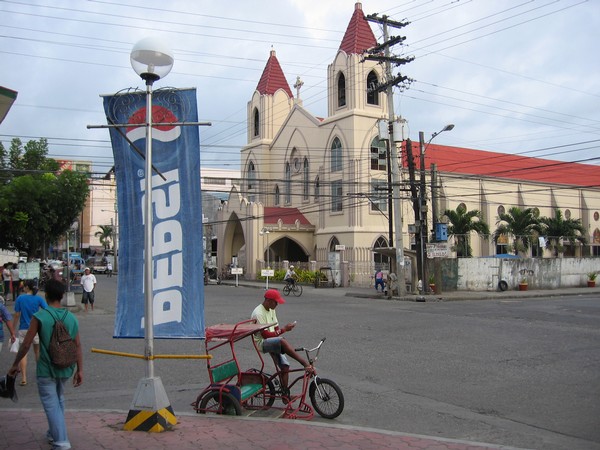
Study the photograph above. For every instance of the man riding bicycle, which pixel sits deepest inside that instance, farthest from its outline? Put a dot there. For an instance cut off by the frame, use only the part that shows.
(289, 276)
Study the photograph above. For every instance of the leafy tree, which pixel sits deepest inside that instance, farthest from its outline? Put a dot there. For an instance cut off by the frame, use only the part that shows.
(105, 235)
(521, 224)
(462, 223)
(558, 229)
(37, 205)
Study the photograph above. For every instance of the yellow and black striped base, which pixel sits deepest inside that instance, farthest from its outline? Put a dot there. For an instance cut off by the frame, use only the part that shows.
(151, 421)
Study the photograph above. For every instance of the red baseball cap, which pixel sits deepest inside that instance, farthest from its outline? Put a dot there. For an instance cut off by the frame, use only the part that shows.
(273, 294)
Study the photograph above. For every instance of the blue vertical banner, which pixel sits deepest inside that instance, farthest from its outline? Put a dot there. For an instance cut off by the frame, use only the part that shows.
(177, 251)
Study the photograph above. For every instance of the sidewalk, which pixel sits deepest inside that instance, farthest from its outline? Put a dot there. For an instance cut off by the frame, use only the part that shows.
(371, 293)
(26, 429)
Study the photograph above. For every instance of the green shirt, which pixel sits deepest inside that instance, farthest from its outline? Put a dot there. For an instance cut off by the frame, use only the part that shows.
(45, 368)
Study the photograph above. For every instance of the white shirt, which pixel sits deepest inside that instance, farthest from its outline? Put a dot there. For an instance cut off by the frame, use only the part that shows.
(88, 282)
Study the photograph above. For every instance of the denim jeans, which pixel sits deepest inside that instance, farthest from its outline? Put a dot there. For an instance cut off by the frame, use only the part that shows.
(51, 392)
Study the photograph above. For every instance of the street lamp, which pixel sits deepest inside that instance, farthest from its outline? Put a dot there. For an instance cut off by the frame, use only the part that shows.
(423, 204)
(152, 60)
(265, 232)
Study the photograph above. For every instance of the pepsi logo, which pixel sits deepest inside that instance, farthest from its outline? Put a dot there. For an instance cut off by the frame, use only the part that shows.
(160, 114)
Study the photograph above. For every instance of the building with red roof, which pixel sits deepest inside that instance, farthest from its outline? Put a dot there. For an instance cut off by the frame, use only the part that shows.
(319, 186)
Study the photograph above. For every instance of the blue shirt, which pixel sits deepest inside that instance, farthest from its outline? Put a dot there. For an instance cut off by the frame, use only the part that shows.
(28, 305)
(5, 316)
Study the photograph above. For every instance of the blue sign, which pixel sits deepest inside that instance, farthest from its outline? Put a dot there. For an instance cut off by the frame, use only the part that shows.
(177, 256)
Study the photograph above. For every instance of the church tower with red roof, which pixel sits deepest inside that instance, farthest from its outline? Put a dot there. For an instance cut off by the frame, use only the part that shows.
(350, 80)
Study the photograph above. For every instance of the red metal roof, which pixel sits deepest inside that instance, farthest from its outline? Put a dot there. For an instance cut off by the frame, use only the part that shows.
(287, 215)
(273, 78)
(502, 165)
(359, 36)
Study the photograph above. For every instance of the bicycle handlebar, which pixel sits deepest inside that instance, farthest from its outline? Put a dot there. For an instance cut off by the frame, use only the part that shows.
(304, 349)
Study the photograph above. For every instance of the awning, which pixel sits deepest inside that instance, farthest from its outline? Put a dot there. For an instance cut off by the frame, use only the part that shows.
(7, 98)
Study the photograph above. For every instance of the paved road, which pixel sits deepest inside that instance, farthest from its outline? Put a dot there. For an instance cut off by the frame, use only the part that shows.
(524, 373)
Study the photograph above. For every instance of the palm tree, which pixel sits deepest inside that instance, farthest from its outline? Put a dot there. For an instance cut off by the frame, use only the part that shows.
(556, 229)
(462, 223)
(521, 224)
(105, 235)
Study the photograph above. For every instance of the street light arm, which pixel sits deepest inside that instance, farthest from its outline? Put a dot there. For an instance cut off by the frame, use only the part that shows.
(446, 128)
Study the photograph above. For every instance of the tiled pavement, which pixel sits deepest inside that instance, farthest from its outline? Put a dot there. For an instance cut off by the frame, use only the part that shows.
(26, 429)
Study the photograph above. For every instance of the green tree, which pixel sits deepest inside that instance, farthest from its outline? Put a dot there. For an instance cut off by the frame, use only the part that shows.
(37, 205)
(105, 235)
(521, 224)
(556, 229)
(462, 223)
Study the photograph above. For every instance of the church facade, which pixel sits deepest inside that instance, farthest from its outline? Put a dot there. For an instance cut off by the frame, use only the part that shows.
(314, 191)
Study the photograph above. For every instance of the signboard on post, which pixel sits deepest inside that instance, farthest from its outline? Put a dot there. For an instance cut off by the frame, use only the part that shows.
(438, 250)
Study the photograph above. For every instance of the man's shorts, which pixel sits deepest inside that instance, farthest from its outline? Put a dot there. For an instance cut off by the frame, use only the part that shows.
(87, 297)
(22, 333)
(273, 346)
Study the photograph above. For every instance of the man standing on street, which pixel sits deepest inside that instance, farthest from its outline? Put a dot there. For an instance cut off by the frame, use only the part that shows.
(88, 282)
(50, 379)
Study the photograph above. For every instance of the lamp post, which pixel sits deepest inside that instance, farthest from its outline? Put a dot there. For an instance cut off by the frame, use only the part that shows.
(423, 204)
(265, 232)
(152, 60)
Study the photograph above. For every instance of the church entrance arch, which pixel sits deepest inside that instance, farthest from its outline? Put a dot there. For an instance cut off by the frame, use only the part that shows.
(234, 244)
(286, 249)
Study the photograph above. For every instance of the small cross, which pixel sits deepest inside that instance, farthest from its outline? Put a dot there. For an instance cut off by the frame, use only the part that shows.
(298, 85)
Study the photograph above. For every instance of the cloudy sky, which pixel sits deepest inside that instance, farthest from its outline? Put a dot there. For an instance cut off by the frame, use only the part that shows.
(514, 76)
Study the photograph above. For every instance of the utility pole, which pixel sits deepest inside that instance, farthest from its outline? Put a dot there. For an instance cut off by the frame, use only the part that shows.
(434, 217)
(423, 215)
(388, 86)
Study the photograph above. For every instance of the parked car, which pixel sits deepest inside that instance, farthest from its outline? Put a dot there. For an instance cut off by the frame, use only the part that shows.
(97, 264)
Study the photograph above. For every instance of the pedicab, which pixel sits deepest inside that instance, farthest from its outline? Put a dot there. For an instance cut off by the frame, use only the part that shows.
(231, 390)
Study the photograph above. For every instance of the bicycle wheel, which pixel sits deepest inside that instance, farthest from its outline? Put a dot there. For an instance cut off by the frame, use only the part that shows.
(286, 289)
(210, 403)
(297, 290)
(326, 398)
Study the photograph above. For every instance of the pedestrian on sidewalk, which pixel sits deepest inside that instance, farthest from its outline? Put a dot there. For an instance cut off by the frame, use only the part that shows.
(6, 317)
(6, 280)
(88, 282)
(26, 306)
(50, 379)
(109, 269)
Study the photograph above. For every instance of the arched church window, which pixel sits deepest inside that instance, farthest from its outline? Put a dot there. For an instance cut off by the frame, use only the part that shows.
(305, 182)
(276, 200)
(341, 90)
(256, 120)
(288, 183)
(317, 188)
(251, 175)
(336, 155)
(381, 261)
(372, 84)
(378, 154)
(334, 241)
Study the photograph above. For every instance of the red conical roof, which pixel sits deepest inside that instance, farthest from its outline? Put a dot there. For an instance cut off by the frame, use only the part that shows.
(359, 36)
(273, 78)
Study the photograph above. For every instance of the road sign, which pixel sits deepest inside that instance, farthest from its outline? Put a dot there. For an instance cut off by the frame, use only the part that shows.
(339, 247)
(237, 271)
(438, 250)
(267, 273)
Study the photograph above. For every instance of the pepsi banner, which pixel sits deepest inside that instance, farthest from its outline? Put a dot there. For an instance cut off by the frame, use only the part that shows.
(177, 250)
